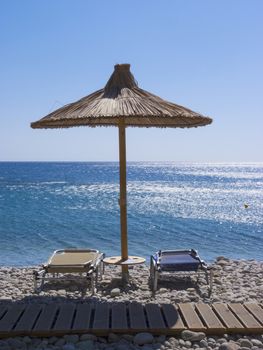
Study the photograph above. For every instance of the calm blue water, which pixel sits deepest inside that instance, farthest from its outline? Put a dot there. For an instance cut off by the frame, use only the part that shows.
(47, 206)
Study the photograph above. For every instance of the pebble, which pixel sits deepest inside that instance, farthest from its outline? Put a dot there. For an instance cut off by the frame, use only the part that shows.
(72, 338)
(68, 346)
(162, 290)
(27, 340)
(52, 340)
(121, 347)
(127, 337)
(15, 343)
(192, 336)
(113, 338)
(181, 342)
(245, 343)
(204, 343)
(161, 339)
(143, 338)
(88, 337)
(85, 345)
(257, 342)
(60, 342)
(229, 346)
(188, 344)
(115, 292)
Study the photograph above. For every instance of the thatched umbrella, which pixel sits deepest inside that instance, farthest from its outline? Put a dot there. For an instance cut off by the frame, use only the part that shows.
(122, 103)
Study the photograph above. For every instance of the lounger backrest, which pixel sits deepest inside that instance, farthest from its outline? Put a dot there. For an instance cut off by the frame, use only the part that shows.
(71, 257)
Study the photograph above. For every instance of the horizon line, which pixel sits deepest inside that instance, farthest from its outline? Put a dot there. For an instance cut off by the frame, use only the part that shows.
(131, 161)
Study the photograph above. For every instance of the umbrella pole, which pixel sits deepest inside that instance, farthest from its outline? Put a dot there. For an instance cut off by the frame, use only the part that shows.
(123, 196)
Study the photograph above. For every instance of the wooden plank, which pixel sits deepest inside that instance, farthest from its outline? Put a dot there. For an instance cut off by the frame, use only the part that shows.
(191, 318)
(172, 317)
(83, 316)
(28, 318)
(119, 317)
(227, 317)
(245, 317)
(154, 316)
(10, 319)
(209, 317)
(46, 318)
(65, 317)
(255, 310)
(101, 317)
(3, 309)
(137, 317)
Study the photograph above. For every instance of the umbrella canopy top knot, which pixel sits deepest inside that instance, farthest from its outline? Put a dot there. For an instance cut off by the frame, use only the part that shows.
(122, 102)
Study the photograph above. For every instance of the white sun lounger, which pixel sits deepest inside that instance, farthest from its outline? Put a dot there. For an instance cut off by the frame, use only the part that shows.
(71, 264)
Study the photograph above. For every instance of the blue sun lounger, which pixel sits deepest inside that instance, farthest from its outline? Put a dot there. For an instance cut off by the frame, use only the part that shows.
(177, 261)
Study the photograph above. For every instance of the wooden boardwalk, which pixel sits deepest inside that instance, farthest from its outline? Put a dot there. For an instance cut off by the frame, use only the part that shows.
(103, 318)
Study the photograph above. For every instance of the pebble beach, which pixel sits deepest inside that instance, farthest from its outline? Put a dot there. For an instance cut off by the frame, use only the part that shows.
(234, 281)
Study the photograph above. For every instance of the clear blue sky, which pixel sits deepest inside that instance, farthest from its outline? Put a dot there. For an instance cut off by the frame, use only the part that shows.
(205, 55)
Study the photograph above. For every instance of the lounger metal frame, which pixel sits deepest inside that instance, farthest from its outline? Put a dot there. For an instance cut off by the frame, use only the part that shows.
(89, 271)
(156, 271)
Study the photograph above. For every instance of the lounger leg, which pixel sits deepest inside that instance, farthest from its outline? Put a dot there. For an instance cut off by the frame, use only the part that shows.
(198, 276)
(153, 275)
(211, 280)
(35, 283)
(155, 281)
(151, 272)
(96, 276)
(92, 284)
(101, 270)
(39, 277)
(207, 277)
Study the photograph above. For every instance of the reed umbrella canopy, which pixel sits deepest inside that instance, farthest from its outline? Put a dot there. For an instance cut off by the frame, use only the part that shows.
(122, 103)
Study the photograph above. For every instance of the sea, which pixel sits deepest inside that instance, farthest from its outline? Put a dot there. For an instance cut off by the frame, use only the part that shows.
(214, 208)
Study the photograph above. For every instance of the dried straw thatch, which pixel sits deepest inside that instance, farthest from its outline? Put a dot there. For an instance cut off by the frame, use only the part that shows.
(122, 102)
